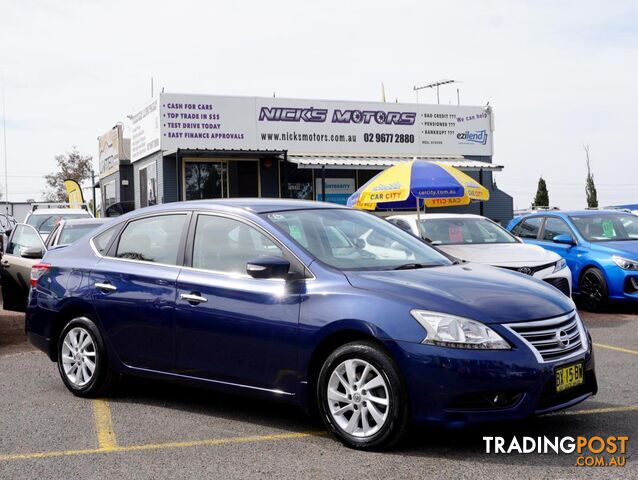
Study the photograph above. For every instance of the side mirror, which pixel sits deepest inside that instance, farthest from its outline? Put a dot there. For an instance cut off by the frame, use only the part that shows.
(268, 267)
(564, 238)
(32, 252)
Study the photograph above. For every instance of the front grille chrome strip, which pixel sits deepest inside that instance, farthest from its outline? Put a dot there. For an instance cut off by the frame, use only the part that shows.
(552, 340)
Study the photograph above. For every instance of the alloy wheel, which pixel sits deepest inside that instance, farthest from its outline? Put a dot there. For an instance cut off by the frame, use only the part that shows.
(592, 289)
(358, 398)
(79, 356)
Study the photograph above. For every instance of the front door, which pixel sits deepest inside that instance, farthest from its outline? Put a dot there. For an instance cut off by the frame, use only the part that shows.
(15, 270)
(231, 327)
(134, 290)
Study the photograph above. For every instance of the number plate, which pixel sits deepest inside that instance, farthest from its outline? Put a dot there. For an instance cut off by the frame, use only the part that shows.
(569, 377)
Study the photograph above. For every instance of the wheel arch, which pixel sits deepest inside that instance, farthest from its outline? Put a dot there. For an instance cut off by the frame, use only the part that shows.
(345, 332)
(74, 307)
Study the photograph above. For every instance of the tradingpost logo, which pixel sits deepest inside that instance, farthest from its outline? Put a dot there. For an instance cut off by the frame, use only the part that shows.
(593, 451)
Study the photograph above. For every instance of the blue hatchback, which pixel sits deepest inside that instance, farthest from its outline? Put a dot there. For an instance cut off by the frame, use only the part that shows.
(285, 300)
(600, 247)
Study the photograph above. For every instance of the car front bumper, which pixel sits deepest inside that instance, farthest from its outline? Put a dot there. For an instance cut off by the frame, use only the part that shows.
(455, 387)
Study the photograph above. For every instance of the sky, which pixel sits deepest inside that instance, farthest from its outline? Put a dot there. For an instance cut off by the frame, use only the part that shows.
(558, 74)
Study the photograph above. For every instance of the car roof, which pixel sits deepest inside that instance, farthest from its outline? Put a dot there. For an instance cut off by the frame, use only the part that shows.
(573, 213)
(255, 205)
(55, 211)
(86, 221)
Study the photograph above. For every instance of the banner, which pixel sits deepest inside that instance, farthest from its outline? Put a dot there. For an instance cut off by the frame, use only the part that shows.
(74, 193)
(211, 122)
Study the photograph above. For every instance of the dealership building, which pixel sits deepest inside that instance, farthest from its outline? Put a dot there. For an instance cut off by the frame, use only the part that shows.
(188, 147)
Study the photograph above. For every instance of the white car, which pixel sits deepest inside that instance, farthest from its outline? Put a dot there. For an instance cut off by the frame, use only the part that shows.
(44, 220)
(480, 240)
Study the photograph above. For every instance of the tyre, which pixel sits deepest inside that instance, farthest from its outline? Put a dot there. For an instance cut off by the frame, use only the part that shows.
(594, 294)
(82, 360)
(361, 397)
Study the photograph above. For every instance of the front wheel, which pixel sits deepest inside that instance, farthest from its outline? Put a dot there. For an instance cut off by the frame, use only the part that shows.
(361, 397)
(82, 360)
(593, 290)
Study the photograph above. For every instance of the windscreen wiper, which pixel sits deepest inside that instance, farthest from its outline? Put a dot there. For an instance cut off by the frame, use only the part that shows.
(412, 266)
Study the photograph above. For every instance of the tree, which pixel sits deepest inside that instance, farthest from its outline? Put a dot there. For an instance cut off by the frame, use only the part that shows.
(590, 187)
(542, 195)
(71, 166)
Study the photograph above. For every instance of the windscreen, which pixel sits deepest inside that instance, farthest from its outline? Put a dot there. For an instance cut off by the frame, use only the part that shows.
(455, 231)
(45, 223)
(355, 240)
(70, 233)
(607, 228)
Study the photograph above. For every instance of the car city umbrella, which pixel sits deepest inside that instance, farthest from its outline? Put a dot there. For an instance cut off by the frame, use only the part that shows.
(407, 184)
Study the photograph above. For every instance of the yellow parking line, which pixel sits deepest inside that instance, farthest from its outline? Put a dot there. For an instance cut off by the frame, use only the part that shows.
(161, 446)
(104, 425)
(593, 411)
(616, 349)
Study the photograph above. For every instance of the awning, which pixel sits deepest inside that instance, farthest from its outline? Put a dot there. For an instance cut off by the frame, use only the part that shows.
(375, 163)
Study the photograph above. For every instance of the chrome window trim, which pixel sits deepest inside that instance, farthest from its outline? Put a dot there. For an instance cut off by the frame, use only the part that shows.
(549, 323)
(211, 213)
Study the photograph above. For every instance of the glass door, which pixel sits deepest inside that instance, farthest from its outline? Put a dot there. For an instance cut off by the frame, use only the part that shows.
(205, 180)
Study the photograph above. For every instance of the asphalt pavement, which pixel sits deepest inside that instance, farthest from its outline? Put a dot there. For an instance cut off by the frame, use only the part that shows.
(159, 430)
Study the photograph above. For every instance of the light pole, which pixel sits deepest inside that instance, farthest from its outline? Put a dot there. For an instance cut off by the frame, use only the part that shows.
(432, 85)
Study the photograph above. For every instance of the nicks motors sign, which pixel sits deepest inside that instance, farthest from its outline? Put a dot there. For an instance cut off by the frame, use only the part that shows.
(320, 126)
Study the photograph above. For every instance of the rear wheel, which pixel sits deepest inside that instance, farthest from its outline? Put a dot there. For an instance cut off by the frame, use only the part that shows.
(361, 398)
(82, 360)
(593, 290)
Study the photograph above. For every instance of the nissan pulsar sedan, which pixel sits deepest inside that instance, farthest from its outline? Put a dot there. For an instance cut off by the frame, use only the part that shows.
(256, 296)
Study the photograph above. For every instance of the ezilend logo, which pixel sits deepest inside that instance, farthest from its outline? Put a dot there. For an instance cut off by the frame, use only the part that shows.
(480, 136)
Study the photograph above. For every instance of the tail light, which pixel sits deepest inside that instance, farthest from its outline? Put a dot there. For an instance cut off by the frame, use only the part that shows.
(37, 271)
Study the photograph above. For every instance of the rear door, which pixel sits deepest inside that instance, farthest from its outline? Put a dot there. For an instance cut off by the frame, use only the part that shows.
(134, 289)
(15, 270)
(231, 327)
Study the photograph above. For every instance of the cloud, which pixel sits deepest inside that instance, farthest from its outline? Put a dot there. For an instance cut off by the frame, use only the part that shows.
(558, 74)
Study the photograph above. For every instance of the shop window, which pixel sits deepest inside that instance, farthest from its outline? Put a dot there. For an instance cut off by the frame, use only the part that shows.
(109, 196)
(148, 185)
(296, 183)
(205, 180)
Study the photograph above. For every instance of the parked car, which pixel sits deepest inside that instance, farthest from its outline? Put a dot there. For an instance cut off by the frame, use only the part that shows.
(68, 231)
(600, 247)
(251, 296)
(25, 248)
(44, 220)
(477, 239)
(7, 222)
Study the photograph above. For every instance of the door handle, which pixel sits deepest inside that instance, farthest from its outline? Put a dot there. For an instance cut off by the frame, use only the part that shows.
(106, 287)
(193, 298)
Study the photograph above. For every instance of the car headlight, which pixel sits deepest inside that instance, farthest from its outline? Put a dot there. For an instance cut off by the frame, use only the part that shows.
(625, 263)
(560, 265)
(458, 332)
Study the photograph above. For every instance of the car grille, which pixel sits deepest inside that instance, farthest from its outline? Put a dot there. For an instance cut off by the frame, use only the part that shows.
(561, 283)
(530, 270)
(553, 339)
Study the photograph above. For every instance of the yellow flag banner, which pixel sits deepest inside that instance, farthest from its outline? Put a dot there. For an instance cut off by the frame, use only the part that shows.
(74, 193)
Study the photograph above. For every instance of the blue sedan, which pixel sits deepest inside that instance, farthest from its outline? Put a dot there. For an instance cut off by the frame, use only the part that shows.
(600, 247)
(283, 300)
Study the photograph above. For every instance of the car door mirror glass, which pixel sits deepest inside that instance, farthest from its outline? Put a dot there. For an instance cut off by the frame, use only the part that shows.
(564, 239)
(268, 267)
